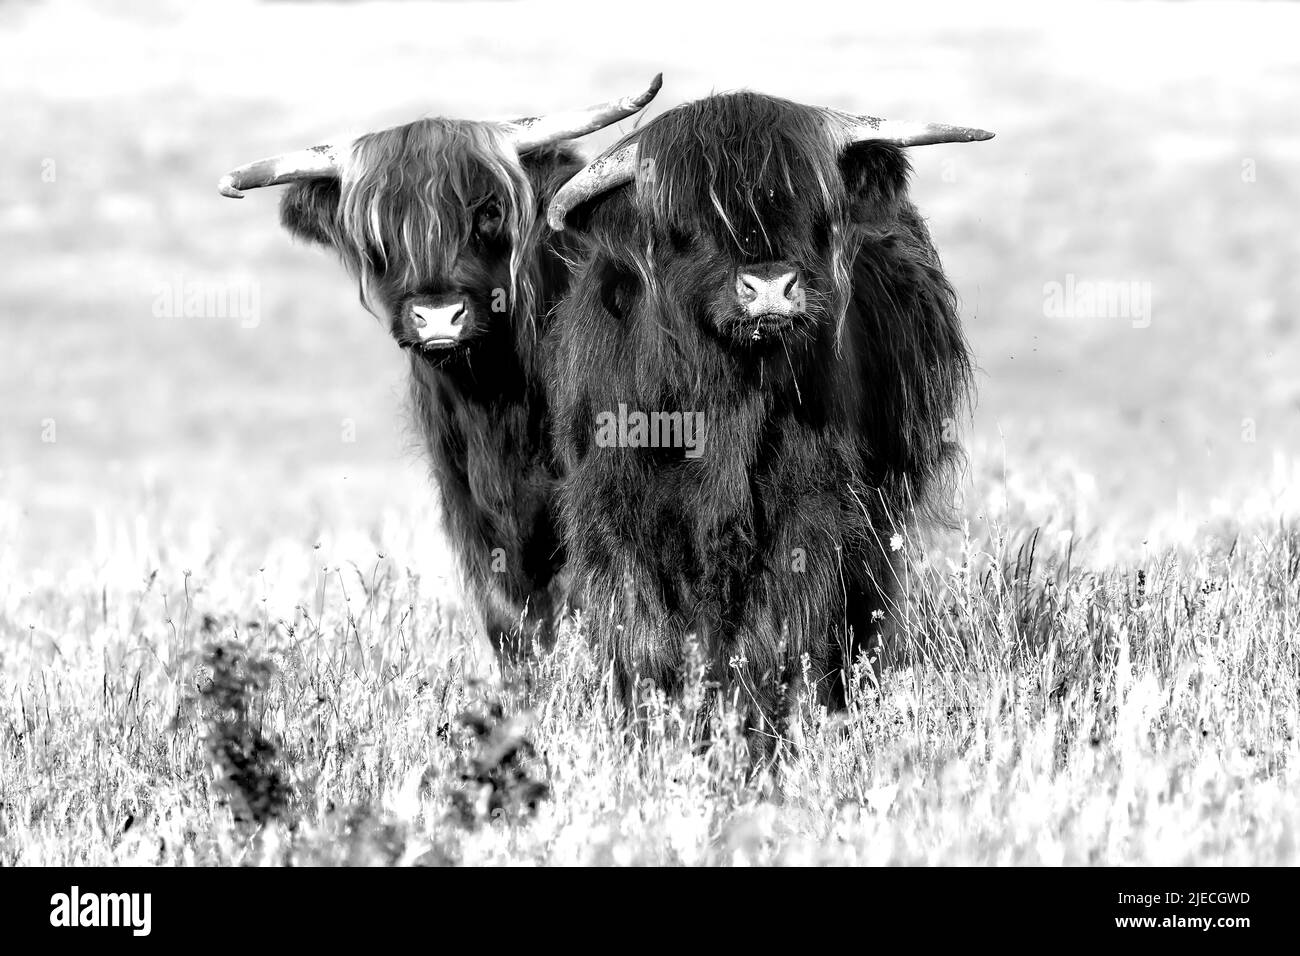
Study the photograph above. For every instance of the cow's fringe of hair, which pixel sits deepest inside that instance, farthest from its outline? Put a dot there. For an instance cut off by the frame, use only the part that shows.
(408, 199)
(711, 187)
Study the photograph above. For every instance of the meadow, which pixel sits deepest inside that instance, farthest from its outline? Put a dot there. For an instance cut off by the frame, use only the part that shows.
(229, 629)
(326, 710)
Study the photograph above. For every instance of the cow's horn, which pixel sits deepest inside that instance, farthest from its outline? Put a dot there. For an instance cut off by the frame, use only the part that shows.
(871, 129)
(535, 131)
(318, 162)
(600, 175)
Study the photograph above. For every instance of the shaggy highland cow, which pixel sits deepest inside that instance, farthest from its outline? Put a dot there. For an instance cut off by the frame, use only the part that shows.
(756, 266)
(442, 223)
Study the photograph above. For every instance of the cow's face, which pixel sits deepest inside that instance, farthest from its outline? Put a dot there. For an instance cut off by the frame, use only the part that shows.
(436, 219)
(746, 212)
(769, 281)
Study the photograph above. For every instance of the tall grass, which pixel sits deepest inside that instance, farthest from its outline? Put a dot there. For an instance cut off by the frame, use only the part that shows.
(1034, 709)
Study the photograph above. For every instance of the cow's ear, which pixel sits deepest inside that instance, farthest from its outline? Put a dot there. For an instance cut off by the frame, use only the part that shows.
(875, 179)
(610, 212)
(582, 218)
(310, 211)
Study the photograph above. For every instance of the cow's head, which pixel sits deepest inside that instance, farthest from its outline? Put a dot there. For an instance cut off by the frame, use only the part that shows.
(744, 210)
(439, 220)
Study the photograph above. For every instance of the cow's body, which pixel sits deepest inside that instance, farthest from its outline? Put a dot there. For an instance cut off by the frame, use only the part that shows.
(484, 421)
(827, 421)
(480, 406)
(442, 222)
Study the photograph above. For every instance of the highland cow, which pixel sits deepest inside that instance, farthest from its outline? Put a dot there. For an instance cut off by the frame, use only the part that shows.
(757, 264)
(442, 223)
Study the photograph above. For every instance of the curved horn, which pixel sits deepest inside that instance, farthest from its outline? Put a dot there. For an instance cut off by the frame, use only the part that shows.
(864, 129)
(600, 175)
(532, 132)
(318, 162)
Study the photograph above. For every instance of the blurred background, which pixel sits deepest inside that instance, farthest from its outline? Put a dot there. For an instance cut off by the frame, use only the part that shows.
(1126, 249)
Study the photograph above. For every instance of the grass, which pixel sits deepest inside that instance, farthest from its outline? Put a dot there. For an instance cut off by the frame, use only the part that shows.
(1042, 712)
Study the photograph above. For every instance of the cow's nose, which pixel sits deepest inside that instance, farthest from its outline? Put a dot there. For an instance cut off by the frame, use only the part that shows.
(439, 323)
(777, 293)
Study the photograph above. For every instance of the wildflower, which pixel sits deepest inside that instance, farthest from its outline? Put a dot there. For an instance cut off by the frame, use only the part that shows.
(737, 661)
(896, 543)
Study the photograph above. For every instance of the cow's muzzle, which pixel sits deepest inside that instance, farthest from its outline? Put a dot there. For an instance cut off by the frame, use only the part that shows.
(439, 325)
(774, 291)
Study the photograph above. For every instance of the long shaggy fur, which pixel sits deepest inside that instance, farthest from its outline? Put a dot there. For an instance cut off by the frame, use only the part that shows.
(771, 549)
(408, 220)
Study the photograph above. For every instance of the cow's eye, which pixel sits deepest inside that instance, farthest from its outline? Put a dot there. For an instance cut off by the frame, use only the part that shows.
(488, 219)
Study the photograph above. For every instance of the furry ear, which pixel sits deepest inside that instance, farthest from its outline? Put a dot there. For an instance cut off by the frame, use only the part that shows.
(579, 219)
(611, 213)
(310, 211)
(875, 180)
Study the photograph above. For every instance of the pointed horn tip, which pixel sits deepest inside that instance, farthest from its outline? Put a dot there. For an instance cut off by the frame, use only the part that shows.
(979, 135)
(226, 186)
(641, 99)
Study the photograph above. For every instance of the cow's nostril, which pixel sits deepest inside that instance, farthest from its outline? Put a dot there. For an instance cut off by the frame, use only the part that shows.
(440, 322)
(773, 291)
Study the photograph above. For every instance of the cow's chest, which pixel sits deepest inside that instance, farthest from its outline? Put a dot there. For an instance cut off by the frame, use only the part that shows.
(767, 479)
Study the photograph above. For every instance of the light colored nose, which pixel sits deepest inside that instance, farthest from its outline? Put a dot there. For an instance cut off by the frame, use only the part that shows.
(440, 323)
(771, 294)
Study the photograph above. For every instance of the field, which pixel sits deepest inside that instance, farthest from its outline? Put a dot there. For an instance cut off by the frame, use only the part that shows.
(229, 631)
